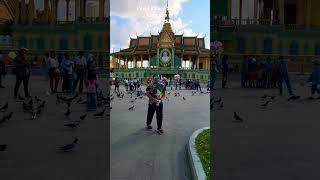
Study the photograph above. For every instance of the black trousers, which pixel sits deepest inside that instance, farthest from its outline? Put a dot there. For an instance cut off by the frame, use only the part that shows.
(0, 79)
(80, 77)
(314, 89)
(25, 80)
(151, 110)
(116, 88)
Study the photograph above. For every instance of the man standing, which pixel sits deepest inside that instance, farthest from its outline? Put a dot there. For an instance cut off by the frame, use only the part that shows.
(2, 69)
(80, 70)
(116, 85)
(22, 72)
(156, 94)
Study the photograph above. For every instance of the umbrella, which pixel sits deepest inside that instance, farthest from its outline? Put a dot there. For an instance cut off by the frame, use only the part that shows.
(12, 55)
(177, 76)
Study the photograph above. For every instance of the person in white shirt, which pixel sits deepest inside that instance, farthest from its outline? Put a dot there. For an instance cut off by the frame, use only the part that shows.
(54, 72)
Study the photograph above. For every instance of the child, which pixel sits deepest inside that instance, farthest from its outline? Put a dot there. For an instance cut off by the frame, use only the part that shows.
(314, 79)
(92, 86)
(139, 90)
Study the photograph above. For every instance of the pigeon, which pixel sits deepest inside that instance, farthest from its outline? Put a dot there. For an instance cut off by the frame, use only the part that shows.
(265, 104)
(221, 105)
(5, 106)
(131, 108)
(20, 98)
(79, 100)
(47, 93)
(68, 104)
(42, 104)
(264, 96)
(26, 107)
(30, 102)
(69, 147)
(9, 116)
(237, 117)
(37, 99)
(3, 147)
(100, 114)
(84, 102)
(272, 97)
(67, 113)
(183, 98)
(71, 125)
(83, 116)
(219, 100)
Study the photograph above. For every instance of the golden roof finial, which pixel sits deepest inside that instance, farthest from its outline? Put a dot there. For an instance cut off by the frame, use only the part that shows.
(167, 12)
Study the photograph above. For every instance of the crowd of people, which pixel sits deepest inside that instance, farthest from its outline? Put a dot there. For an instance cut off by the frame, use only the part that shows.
(74, 71)
(264, 73)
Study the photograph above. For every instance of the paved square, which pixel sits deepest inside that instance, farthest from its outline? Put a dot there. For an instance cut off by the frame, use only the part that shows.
(33, 144)
(277, 142)
(139, 154)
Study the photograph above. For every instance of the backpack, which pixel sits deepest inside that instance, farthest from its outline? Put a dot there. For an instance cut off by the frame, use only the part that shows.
(92, 88)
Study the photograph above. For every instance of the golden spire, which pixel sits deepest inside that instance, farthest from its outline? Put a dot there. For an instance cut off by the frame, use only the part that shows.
(166, 36)
(167, 12)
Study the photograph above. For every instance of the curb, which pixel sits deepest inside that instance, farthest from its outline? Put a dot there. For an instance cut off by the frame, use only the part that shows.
(195, 162)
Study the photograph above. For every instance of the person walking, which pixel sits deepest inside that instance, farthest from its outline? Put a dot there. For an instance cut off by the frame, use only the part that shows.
(224, 69)
(156, 93)
(67, 73)
(116, 85)
(2, 69)
(80, 70)
(44, 67)
(53, 72)
(283, 76)
(92, 86)
(22, 72)
(244, 72)
(314, 79)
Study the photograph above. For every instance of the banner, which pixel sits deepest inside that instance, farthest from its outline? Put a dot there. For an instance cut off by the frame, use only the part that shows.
(165, 57)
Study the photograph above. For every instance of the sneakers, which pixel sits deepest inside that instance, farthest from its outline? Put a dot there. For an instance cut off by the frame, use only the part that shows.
(149, 127)
(160, 131)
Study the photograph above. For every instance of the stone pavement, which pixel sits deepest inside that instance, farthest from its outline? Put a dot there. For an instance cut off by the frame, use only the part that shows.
(32, 144)
(138, 154)
(277, 142)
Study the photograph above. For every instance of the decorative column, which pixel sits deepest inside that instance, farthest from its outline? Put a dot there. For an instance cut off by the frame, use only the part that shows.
(54, 12)
(84, 8)
(229, 8)
(23, 12)
(308, 16)
(101, 9)
(134, 62)
(281, 11)
(31, 12)
(77, 10)
(46, 10)
(17, 13)
(149, 62)
(141, 59)
(198, 62)
(190, 62)
(240, 12)
(255, 11)
(67, 9)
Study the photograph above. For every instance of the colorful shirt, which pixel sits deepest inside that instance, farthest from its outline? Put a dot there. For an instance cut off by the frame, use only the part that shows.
(66, 65)
(156, 93)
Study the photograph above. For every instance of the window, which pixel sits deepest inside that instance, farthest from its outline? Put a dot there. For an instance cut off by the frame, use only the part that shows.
(293, 48)
(40, 43)
(267, 45)
(87, 42)
(22, 42)
(317, 49)
(241, 45)
(63, 43)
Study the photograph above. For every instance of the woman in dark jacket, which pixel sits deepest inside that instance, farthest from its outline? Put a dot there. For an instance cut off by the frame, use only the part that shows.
(22, 72)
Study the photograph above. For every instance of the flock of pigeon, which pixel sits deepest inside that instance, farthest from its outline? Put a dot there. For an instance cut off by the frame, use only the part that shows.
(133, 97)
(35, 106)
(236, 117)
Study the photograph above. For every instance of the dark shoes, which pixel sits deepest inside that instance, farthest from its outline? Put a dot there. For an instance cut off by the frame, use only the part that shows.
(149, 127)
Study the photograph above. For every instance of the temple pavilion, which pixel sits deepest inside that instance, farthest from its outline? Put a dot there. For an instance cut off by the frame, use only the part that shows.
(163, 55)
